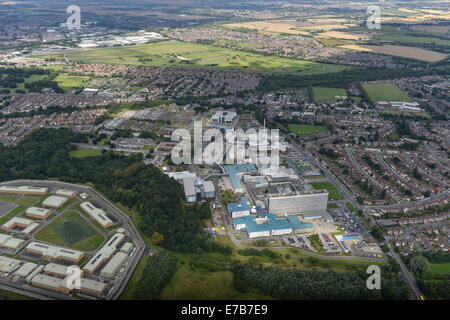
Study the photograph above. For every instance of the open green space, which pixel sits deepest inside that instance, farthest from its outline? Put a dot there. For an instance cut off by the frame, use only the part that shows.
(69, 82)
(183, 54)
(84, 153)
(72, 231)
(306, 129)
(328, 95)
(8, 198)
(439, 268)
(385, 92)
(27, 201)
(333, 193)
(21, 86)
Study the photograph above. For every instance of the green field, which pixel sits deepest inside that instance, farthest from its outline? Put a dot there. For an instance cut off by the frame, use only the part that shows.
(327, 95)
(84, 153)
(72, 231)
(306, 129)
(183, 54)
(70, 83)
(333, 193)
(439, 268)
(385, 92)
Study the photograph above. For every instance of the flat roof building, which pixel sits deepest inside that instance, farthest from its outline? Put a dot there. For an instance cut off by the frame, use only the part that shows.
(54, 202)
(235, 170)
(127, 247)
(92, 287)
(9, 242)
(57, 270)
(23, 190)
(239, 209)
(27, 226)
(97, 214)
(9, 265)
(54, 252)
(114, 265)
(35, 272)
(266, 225)
(189, 189)
(25, 269)
(38, 213)
(104, 254)
(66, 193)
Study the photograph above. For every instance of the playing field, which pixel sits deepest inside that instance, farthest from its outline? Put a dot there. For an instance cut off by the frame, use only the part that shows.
(183, 54)
(72, 231)
(385, 92)
(306, 129)
(84, 153)
(70, 83)
(333, 193)
(328, 95)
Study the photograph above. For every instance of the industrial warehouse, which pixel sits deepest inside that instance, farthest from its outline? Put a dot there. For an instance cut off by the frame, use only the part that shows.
(44, 237)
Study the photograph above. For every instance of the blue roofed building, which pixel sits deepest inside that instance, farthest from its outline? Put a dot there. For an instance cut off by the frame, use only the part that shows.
(239, 209)
(269, 224)
(236, 169)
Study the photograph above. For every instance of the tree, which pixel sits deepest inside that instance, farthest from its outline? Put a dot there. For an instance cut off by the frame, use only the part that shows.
(157, 238)
(418, 264)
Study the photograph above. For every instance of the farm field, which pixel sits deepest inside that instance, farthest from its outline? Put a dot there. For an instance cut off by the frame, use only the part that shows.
(400, 51)
(72, 231)
(181, 54)
(342, 35)
(70, 83)
(385, 92)
(328, 95)
(306, 129)
(332, 190)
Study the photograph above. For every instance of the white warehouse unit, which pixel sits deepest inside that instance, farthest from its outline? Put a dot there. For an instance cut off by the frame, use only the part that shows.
(54, 202)
(97, 214)
(25, 269)
(114, 265)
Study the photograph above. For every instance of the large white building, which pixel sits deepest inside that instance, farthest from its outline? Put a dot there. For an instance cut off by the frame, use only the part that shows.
(224, 117)
(97, 214)
(297, 204)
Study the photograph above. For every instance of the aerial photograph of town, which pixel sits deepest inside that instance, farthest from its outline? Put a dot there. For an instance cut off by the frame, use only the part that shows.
(243, 152)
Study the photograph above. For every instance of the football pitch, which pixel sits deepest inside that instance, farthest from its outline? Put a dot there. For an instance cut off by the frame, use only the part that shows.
(385, 92)
(328, 95)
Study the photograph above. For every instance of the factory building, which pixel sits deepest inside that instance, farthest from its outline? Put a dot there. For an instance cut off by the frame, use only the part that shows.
(24, 226)
(35, 272)
(314, 202)
(9, 242)
(54, 252)
(60, 285)
(97, 214)
(114, 265)
(197, 189)
(127, 248)
(234, 171)
(9, 265)
(266, 225)
(38, 213)
(239, 209)
(104, 254)
(54, 202)
(26, 190)
(57, 270)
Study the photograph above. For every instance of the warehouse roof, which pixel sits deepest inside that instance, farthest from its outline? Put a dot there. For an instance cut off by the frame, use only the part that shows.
(104, 253)
(25, 269)
(208, 186)
(270, 221)
(233, 170)
(7, 241)
(239, 206)
(65, 193)
(189, 186)
(8, 265)
(92, 285)
(54, 251)
(54, 202)
(23, 189)
(52, 282)
(39, 212)
(127, 247)
(114, 265)
(97, 214)
(58, 269)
